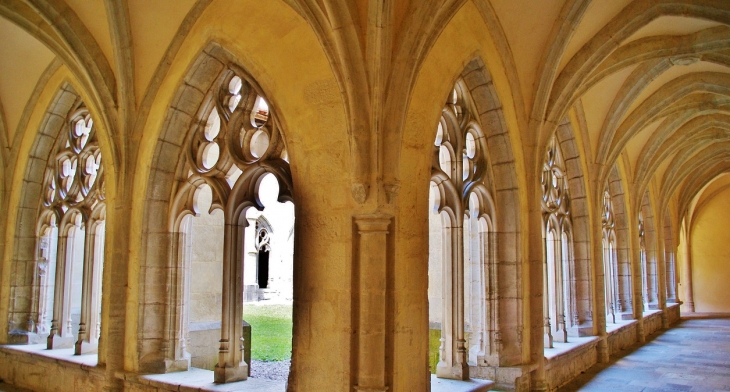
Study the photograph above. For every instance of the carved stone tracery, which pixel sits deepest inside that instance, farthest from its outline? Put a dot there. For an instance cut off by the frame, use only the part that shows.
(610, 263)
(461, 182)
(238, 143)
(559, 299)
(72, 203)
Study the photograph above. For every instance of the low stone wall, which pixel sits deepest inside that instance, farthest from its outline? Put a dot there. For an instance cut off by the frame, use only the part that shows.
(40, 373)
(673, 314)
(622, 338)
(566, 366)
(204, 348)
(652, 323)
(505, 378)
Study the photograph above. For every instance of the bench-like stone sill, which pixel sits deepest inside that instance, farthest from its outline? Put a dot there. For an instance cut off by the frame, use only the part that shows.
(199, 380)
(612, 328)
(574, 344)
(60, 355)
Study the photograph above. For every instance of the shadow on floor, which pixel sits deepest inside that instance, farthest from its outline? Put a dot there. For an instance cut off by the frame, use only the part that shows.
(693, 355)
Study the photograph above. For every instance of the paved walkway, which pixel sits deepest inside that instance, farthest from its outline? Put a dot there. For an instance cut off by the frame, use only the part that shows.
(694, 355)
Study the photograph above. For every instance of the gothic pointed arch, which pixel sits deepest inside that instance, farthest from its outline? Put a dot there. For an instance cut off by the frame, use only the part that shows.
(623, 303)
(648, 254)
(473, 185)
(461, 193)
(34, 219)
(218, 143)
(64, 193)
(581, 318)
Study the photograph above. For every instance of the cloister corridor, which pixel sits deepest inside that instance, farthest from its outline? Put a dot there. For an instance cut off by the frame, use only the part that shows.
(694, 355)
(447, 195)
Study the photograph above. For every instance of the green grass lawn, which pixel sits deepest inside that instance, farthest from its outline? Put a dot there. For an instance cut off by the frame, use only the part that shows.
(434, 342)
(271, 331)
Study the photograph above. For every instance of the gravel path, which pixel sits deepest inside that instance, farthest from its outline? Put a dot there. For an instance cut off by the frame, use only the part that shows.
(277, 371)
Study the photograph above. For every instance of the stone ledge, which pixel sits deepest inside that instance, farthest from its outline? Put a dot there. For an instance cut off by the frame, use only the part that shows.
(472, 385)
(570, 359)
(564, 349)
(197, 380)
(619, 326)
(60, 369)
(62, 356)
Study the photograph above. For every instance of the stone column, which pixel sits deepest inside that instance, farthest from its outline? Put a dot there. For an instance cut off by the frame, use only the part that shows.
(58, 290)
(231, 366)
(453, 357)
(548, 334)
(661, 282)
(174, 346)
(83, 343)
(460, 370)
(635, 252)
(372, 257)
(689, 291)
(95, 315)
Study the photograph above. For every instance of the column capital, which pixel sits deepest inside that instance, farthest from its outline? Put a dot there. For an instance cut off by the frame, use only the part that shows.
(373, 223)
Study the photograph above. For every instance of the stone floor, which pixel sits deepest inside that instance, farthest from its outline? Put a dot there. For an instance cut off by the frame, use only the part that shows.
(694, 355)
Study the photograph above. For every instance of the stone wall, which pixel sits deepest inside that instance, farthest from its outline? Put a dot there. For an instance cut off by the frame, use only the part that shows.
(622, 338)
(673, 314)
(652, 323)
(204, 344)
(564, 367)
(41, 373)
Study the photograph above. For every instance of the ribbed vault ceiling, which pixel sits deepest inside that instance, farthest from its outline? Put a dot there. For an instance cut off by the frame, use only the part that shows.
(651, 78)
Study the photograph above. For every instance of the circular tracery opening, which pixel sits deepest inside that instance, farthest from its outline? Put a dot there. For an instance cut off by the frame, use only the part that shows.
(445, 160)
(212, 126)
(82, 130)
(466, 167)
(471, 146)
(211, 153)
(67, 174)
(234, 88)
(91, 169)
(268, 190)
(259, 143)
(65, 167)
(260, 112)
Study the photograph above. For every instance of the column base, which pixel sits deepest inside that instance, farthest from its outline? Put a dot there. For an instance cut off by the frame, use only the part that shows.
(55, 341)
(547, 341)
(560, 336)
(223, 375)
(581, 331)
(370, 389)
(505, 378)
(177, 365)
(627, 316)
(84, 347)
(455, 372)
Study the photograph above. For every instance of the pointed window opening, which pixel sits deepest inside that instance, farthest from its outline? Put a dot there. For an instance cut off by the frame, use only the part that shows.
(236, 186)
(460, 266)
(70, 245)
